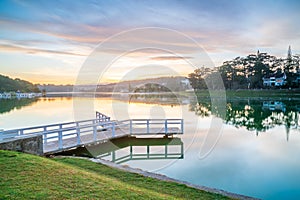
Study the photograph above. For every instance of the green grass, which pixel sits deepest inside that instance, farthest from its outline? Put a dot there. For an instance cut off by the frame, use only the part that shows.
(25, 176)
(284, 93)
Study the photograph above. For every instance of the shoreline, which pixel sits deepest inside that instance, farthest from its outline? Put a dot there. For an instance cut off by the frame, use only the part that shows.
(163, 177)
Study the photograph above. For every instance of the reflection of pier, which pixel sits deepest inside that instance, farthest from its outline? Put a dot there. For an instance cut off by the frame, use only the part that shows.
(149, 153)
(124, 149)
(274, 106)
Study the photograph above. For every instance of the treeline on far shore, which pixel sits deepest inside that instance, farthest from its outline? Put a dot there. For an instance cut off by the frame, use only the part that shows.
(254, 71)
(255, 93)
(8, 84)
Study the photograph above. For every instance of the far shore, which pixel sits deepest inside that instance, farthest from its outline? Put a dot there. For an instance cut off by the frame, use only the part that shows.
(255, 93)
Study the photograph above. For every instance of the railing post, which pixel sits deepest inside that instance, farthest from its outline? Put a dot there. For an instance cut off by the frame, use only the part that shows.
(113, 156)
(130, 127)
(45, 134)
(95, 132)
(44, 138)
(148, 130)
(182, 149)
(21, 132)
(166, 151)
(166, 126)
(148, 151)
(60, 137)
(113, 129)
(182, 126)
(78, 135)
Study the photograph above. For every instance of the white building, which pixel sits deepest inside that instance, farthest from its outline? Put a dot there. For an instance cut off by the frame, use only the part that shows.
(275, 80)
(185, 82)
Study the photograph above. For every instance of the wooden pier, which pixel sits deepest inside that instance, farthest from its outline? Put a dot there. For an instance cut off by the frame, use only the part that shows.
(63, 136)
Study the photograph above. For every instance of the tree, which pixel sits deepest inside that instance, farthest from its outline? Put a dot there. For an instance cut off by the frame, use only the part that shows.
(197, 78)
(248, 72)
(259, 70)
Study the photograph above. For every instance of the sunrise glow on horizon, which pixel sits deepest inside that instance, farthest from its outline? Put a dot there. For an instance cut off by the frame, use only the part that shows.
(48, 42)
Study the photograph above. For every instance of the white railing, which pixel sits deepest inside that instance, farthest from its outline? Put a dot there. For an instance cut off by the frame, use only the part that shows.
(148, 155)
(71, 134)
(75, 136)
(152, 126)
(40, 129)
(102, 117)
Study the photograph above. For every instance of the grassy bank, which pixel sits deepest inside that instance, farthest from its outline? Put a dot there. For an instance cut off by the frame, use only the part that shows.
(24, 176)
(251, 93)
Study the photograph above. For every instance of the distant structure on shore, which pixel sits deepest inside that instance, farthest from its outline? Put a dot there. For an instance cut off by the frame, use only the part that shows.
(275, 80)
(19, 95)
(290, 71)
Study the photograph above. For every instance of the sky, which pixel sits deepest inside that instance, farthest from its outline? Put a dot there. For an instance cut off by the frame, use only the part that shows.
(51, 41)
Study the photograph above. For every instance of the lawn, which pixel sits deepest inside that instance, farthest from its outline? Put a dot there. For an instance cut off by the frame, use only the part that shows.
(25, 176)
(275, 93)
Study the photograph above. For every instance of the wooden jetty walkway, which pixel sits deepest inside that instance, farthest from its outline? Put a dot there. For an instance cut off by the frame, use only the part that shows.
(63, 136)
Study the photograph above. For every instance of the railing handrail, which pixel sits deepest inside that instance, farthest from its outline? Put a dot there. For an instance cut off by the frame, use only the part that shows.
(50, 125)
(84, 126)
(168, 119)
(80, 127)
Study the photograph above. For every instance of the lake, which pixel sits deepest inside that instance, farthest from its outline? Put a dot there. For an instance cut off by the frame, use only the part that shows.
(252, 148)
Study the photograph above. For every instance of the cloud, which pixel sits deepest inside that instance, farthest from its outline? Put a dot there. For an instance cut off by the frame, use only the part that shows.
(12, 48)
(224, 29)
(170, 57)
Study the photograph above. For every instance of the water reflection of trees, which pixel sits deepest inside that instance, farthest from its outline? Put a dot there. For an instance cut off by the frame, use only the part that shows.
(254, 114)
(164, 99)
(7, 105)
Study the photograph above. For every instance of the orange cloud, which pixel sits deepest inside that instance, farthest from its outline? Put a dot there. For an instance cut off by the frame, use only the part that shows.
(170, 58)
(12, 48)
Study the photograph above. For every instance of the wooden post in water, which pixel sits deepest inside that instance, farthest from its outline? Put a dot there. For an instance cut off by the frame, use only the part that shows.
(148, 151)
(166, 151)
(182, 150)
(166, 126)
(114, 156)
(148, 128)
(181, 125)
(130, 151)
(130, 127)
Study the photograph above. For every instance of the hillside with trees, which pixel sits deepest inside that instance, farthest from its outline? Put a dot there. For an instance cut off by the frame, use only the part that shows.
(13, 85)
(254, 71)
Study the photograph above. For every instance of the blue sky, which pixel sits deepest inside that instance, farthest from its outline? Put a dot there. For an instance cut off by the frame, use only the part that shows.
(48, 41)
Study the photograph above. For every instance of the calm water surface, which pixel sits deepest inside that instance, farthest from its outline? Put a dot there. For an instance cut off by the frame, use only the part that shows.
(257, 153)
